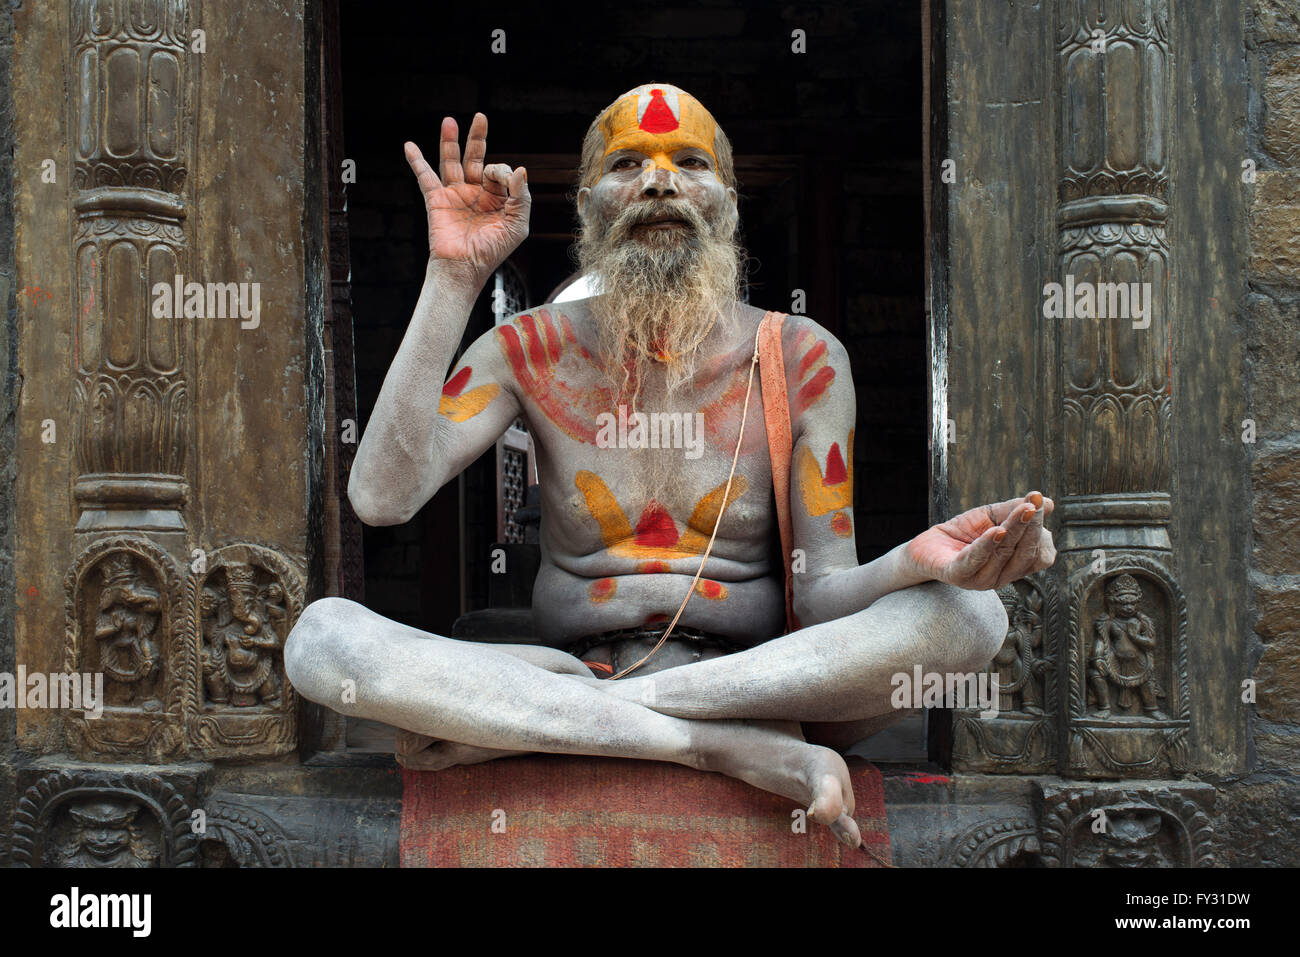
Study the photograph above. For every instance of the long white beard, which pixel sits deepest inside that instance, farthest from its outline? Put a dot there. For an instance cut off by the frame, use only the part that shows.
(662, 293)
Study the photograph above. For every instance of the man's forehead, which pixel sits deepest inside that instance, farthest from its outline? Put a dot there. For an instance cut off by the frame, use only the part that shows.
(657, 117)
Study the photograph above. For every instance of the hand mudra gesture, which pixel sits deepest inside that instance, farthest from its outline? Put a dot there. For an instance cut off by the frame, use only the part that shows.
(989, 546)
(478, 215)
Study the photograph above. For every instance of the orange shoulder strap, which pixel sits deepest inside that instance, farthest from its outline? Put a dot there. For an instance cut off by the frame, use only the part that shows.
(780, 442)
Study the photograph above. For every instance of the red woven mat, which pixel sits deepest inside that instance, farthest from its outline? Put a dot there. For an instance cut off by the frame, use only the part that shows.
(564, 811)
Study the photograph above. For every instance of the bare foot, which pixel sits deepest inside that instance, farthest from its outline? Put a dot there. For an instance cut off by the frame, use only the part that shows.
(771, 755)
(419, 752)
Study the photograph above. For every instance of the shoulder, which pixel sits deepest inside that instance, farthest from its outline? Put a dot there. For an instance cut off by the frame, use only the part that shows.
(804, 336)
(817, 369)
(545, 332)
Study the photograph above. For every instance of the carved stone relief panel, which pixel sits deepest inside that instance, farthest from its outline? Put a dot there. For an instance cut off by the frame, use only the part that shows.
(125, 620)
(239, 612)
(98, 818)
(1020, 737)
(1127, 826)
(1129, 713)
(1002, 842)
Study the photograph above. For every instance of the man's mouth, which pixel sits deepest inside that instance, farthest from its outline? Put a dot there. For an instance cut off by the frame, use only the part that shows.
(664, 221)
(660, 223)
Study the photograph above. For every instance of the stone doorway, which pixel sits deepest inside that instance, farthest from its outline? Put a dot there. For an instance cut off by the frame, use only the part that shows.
(828, 148)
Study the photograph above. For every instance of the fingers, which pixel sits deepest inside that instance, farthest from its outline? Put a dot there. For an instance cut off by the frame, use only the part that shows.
(999, 511)
(975, 557)
(519, 187)
(476, 148)
(449, 168)
(496, 179)
(1018, 545)
(424, 174)
(1033, 550)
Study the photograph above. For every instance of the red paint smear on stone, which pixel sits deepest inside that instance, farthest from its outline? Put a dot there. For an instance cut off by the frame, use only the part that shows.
(815, 387)
(658, 116)
(457, 382)
(918, 777)
(656, 527)
(835, 471)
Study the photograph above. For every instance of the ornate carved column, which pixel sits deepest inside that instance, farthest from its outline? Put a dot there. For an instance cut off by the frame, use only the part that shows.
(188, 632)
(131, 138)
(131, 142)
(1124, 661)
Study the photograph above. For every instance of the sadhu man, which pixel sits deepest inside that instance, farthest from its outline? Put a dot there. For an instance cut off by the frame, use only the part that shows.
(626, 521)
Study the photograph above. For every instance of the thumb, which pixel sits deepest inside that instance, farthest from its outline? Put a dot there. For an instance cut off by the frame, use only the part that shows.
(517, 187)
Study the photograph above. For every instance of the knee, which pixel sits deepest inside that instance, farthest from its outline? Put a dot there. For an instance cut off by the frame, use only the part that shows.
(314, 651)
(976, 623)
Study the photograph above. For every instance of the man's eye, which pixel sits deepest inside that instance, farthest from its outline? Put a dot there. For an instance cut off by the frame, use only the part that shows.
(625, 163)
(693, 162)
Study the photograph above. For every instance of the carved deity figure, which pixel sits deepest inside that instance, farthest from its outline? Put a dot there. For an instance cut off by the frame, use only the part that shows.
(240, 639)
(127, 616)
(1018, 664)
(1123, 652)
(1130, 839)
(640, 520)
(104, 833)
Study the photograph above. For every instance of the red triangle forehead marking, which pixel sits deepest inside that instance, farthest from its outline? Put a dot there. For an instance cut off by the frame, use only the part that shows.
(658, 116)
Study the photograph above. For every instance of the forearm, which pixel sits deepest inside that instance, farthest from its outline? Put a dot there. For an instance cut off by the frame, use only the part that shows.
(392, 466)
(850, 590)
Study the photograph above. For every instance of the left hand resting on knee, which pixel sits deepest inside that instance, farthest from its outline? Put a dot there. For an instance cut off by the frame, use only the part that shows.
(989, 546)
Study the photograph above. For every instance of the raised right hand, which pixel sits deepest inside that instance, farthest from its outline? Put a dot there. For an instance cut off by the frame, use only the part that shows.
(477, 215)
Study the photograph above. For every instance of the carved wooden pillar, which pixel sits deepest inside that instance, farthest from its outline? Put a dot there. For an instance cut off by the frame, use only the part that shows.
(171, 595)
(1124, 660)
(131, 139)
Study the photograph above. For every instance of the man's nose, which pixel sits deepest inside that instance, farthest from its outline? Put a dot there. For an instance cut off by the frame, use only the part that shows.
(658, 181)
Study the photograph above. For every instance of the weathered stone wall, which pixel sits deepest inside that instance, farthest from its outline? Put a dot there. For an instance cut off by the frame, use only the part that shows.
(8, 400)
(1260, 819)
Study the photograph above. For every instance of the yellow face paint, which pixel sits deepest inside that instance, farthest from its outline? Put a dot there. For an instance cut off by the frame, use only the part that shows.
(657, 121)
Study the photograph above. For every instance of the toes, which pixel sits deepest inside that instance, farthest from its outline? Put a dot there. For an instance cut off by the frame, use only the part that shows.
(410, 742)
(846, 829)
(828, 800)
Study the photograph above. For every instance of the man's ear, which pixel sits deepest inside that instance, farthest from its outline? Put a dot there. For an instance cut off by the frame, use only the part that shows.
(583, 194)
